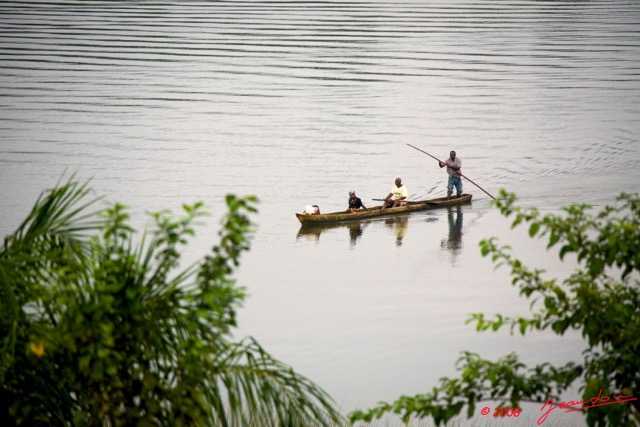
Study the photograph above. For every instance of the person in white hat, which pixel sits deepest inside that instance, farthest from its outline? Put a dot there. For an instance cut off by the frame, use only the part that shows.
(355, 203)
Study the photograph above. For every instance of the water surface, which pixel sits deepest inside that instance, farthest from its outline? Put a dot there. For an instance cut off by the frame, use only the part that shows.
(162, 103)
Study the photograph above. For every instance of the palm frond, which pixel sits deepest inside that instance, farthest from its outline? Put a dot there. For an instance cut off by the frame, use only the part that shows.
(62, 211)
(126, 336)
(260, 390)
(55, 232)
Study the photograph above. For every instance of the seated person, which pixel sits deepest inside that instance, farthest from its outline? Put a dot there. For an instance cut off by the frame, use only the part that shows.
(396, 196)
(354, 202)
(311, 210)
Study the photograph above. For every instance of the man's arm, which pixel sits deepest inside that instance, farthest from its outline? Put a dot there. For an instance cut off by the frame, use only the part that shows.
(456, 165)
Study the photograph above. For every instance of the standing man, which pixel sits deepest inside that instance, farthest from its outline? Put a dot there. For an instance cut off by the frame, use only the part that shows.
(396, 196)
(453, 165)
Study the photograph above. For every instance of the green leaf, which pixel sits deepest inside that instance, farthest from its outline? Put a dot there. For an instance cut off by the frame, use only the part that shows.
(533, 229)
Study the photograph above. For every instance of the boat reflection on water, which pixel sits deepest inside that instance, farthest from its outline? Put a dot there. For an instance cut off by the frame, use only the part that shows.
(398, 225)
(355, 232)
(453, 242)
(313, 231)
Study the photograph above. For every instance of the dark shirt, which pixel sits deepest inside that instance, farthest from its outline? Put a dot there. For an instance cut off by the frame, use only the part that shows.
(355, 203)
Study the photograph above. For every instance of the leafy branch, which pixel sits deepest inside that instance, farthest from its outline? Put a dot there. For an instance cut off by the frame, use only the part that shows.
(601, 299)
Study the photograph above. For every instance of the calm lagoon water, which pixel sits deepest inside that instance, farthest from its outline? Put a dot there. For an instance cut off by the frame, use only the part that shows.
(162, 103)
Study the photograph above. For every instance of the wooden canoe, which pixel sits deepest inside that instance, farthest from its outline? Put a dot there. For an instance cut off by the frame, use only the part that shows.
(375, 211)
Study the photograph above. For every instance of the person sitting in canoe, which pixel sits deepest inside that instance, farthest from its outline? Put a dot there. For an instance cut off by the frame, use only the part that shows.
(355, 203)
(311, 210)
(396, 196)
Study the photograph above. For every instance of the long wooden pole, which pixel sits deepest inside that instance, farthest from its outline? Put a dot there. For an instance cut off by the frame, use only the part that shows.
(440, 161)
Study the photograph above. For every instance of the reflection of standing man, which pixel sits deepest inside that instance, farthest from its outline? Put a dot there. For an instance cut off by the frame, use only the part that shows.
(453, 164)
(454, 243)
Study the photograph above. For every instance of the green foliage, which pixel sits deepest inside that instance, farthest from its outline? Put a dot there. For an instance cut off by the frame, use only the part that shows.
(601, 299)
(100, 330)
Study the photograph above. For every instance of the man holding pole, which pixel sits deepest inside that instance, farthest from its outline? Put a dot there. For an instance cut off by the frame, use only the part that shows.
(453, 164)
(442, 164)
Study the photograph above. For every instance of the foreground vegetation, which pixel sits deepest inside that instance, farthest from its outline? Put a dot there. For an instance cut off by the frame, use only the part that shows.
(99, 327)
(601, 299)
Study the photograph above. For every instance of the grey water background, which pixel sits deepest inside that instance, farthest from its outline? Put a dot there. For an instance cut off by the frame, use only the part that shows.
(161, 103)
